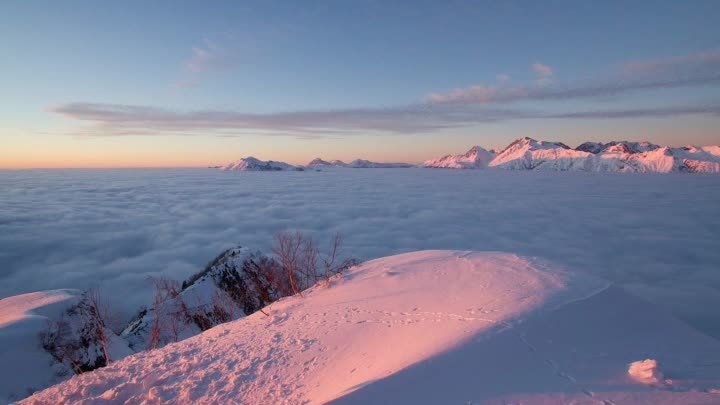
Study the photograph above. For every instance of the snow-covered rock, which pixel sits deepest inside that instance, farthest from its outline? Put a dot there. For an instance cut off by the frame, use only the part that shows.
(475, 158)
(592, 147)
(253, 164)
(617, 156)
(228, 288)
(429, 327)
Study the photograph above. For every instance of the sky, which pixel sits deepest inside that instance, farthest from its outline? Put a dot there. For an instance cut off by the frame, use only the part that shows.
(183, 84)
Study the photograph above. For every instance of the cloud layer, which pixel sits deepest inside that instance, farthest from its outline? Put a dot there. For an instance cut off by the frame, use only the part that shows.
(114, 228)
(122, 120)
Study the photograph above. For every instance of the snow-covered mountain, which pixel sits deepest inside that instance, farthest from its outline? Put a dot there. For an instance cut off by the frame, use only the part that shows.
(529, 154)
(367, 164)
(429, 327)
(253, 164)
(617, 156)
(476, 158)
(318, 163)
(356, 164)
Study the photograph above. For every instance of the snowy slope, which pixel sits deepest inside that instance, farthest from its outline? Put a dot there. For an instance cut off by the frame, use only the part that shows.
(617, 156)
(428, 327)
(26, 320)
(253, 164)
(22, 319)
(475, 158)
(223, 291)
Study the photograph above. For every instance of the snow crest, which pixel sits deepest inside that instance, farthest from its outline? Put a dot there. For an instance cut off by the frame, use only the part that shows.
(422, 328)
(338, 338)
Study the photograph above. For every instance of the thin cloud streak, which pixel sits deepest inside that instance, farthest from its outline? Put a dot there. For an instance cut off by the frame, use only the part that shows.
(222, 54)
(692, 70)
(109, 119)
(456, 109)
(123, 120)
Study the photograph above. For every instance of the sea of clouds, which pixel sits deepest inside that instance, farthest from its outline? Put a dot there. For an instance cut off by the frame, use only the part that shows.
(657, 235)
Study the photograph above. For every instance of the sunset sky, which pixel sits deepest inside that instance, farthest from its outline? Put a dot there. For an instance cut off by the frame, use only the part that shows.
(171, 83)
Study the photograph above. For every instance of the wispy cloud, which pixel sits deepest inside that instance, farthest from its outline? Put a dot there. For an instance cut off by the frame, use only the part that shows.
(692, 70)
(213, 55)
(542, 70)
(110, 119)
(458, 108)
(702, 63)
(122, 120)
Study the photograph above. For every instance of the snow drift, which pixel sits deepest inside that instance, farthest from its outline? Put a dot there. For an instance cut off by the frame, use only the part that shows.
(422, 328)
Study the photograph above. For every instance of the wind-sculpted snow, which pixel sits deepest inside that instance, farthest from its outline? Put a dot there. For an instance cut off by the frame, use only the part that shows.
(430, 327)
(657, 235)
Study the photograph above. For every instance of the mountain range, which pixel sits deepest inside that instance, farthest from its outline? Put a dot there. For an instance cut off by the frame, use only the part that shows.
(616, 156)
(530, 154)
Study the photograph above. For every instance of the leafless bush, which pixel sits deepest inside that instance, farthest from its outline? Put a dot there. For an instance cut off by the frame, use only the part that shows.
(299, 258)
(163, 320)
(96, 310)
(332, 264)
(297, 255)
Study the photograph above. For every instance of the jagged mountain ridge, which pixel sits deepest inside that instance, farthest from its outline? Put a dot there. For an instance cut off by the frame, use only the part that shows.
(355, 164)
(616, 156)
(257, 165)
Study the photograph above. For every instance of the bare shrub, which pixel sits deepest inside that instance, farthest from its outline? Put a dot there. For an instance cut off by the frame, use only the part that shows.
(299, 259)
(96, 311)
(164, 321)
(332, 264)
(297, 255)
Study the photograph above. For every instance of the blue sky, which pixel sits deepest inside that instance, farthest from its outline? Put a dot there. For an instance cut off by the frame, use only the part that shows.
(170, 83)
